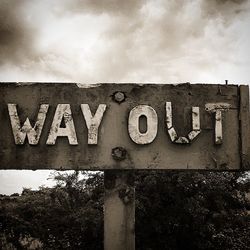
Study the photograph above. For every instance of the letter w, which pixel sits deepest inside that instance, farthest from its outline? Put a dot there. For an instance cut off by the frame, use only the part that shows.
(33, 133)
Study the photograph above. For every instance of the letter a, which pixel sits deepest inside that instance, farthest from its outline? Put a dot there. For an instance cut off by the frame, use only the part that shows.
(63, 112)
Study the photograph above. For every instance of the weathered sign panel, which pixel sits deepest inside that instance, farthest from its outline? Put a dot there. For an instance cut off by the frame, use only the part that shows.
(123, 126)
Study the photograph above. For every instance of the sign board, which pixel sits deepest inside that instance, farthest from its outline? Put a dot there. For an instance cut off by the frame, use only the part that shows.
(123, 126)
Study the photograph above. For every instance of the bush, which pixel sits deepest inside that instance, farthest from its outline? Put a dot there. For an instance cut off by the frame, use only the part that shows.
(174, 210)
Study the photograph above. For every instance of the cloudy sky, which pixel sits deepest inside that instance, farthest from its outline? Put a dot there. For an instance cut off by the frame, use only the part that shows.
(91, 41)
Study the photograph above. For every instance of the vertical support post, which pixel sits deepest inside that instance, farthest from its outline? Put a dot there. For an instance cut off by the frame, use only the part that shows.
(244, 127)
(119, 210)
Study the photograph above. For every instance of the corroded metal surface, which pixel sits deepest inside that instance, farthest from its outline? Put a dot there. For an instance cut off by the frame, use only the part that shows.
(244, 127)
(77, 126)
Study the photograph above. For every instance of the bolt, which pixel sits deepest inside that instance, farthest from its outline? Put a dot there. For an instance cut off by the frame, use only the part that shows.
(126, 194)
(119, 97)
(119, 153)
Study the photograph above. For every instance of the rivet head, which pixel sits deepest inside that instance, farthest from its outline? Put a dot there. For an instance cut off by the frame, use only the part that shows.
(119, 153)
(119, 97)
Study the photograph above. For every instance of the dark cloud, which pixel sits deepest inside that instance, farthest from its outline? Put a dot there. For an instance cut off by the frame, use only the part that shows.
(226, 1)
(133, 7)
(137, 37)
(16, 37)
(227, 10)
(112, 7)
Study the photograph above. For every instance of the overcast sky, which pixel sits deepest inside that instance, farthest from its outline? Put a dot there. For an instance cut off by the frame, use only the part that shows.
(91, 41)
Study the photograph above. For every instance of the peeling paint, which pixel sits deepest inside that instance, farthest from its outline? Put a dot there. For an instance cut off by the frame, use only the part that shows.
(193, 134)
(182, 140)
(87, 86)
(173, 135)
(196, 119)
(195, 126)
(212, 107)
(169, 117)
(20, 84)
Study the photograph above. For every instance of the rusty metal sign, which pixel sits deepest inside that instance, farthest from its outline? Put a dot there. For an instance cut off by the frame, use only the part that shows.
(123, 126)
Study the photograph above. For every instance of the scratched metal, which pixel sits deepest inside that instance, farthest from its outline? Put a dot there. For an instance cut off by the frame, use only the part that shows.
(193, 144)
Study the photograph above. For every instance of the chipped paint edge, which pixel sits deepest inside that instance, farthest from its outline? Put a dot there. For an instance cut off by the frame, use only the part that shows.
(87, 86)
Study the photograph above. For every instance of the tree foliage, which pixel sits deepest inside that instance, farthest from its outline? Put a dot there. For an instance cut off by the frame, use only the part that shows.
(190, 210)
(68, 216)
(174, 210)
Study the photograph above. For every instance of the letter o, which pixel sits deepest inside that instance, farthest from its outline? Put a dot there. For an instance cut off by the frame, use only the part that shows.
(133, 124)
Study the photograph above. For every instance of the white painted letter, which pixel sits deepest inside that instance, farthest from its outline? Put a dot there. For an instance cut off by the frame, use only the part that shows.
(217, 108)
(33, 133)
(133, 124)
(93, 122)
(195, 125)
(63, 112)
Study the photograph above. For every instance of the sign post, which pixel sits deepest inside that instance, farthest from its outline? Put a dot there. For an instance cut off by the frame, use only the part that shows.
(119, 210)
